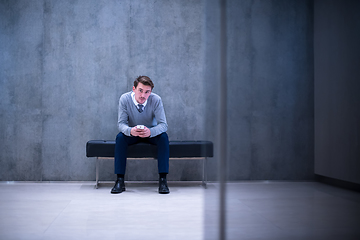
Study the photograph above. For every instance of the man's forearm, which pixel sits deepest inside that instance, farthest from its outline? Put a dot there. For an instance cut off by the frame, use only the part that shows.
(124, 128)
(158, 129)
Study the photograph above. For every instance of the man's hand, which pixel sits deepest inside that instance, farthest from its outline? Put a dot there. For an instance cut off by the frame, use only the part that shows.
(143, 133)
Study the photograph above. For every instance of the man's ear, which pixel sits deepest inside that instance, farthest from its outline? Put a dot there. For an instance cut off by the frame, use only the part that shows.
(134, 88)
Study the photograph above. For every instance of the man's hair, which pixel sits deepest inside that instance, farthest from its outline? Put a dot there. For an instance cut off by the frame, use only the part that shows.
(144, 80)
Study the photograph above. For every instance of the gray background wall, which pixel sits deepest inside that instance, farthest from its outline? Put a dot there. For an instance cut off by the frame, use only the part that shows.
(337, 88)
(270, 87)
(64, 65)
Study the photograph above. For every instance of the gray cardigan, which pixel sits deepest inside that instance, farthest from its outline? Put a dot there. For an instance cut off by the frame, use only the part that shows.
(152, 117)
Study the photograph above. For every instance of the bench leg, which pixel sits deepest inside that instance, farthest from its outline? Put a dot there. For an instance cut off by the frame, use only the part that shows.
(204, 179)
(97, 173)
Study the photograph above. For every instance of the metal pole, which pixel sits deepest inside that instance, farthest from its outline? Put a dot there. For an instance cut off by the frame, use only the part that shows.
(223, 122)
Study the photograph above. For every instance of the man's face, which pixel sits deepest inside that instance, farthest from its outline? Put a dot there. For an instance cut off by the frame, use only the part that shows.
(142, 92)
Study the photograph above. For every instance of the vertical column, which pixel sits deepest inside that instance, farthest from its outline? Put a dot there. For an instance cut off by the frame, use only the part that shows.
(223, 122)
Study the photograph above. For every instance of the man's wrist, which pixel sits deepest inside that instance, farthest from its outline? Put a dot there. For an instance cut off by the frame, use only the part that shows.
(130, 132)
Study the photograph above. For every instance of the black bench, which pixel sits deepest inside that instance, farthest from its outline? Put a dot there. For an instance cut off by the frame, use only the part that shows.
(104, 149)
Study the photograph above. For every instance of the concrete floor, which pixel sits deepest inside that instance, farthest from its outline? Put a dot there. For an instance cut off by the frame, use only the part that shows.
(256, 210)
(273, 210)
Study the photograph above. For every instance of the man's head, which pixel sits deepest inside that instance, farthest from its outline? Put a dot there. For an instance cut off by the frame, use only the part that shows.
(142, 88)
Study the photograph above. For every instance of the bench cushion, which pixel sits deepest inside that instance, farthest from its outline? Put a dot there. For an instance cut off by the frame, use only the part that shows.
(178, 149)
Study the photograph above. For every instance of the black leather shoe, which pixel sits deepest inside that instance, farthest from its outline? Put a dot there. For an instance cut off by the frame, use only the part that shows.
(119, 186)
(163, 187)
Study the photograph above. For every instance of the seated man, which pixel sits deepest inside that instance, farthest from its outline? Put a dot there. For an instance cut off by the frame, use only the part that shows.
(141, 119)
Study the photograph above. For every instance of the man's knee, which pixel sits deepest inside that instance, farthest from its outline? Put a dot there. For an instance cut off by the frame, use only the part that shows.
(164, 137)
(120, 138)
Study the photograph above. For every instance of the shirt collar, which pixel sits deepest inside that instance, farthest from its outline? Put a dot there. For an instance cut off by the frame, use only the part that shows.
(135, 102)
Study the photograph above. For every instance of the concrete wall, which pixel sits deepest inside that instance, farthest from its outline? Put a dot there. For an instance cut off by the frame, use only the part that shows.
(64, 64)
(337, 87)
(270, 87)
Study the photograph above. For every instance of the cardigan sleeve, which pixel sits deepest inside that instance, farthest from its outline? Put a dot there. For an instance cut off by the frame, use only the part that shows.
(123, 116)
(160, 118)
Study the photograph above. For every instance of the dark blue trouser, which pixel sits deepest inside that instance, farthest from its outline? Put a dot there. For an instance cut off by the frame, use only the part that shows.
(123, 141)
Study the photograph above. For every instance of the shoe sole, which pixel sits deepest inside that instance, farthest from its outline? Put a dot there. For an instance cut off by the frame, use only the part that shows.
(117, 192)
(164, 192)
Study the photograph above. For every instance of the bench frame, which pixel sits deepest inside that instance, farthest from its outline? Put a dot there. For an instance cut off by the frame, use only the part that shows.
(204, 159)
